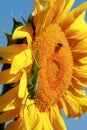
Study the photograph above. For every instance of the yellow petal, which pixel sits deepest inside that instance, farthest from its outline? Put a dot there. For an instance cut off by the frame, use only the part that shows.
(56, 118)
(77, 92)
(9, 100)
(9, 115)
(80, 71)
(22, 32)
(10, 51)
(72, 16)
(81, 100)
(22, 85)
(6, 77)
(38, 8)
(29, 117)
(80, 48)
(69, 4)
(46, 1)
(79, 82)
(20, 61)
(39, 16)
(38, 124)
(81, 78)
(71, 106)
(83, 61)
(78, 29)
(54, 12)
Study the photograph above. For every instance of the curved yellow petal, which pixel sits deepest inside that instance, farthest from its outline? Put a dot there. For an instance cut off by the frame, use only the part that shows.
(54, 12)
(77, 92)
(46, 1)
(72, 16)
(20, 61)
(78, 82)
(80, 71)
(83, 61)
(29, 116)
(68, 5)
(79, 48)
(22, 32)
(78, 29)
(9, 100)
(71, 106)
(10, 51)
(81, 100)
(62, 10)
(56, 118)
(38, 124)
(9, 115)
(6, 77)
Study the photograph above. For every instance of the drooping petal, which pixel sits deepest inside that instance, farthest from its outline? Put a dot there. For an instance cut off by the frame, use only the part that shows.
(10, 51)
(22, 32)
(20, 61)
(6, 77)
(9, 115)
(9, 100)
(56, 118)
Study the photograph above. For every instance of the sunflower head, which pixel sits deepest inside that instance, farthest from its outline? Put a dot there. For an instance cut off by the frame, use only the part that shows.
(47, 60)
(56, 64)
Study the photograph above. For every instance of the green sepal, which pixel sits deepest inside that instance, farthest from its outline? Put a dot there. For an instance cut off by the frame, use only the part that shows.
(16, 24)
(24, 20)
(8, 36)
(30, 20)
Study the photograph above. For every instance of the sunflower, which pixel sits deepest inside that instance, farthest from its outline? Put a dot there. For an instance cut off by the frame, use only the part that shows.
(53, 69)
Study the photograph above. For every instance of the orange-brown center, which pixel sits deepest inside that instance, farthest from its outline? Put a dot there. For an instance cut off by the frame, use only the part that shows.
(56, 66)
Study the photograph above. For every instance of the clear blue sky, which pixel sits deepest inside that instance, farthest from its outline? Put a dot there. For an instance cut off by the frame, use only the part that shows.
(24, 7)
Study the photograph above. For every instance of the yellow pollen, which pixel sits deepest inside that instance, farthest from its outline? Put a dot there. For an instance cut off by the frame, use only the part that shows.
(56, 66)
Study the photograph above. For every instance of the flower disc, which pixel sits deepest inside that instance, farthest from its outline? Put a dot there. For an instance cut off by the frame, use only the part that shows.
(56, 66)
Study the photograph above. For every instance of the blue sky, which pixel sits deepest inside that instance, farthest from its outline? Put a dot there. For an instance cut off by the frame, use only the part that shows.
(24, 7)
